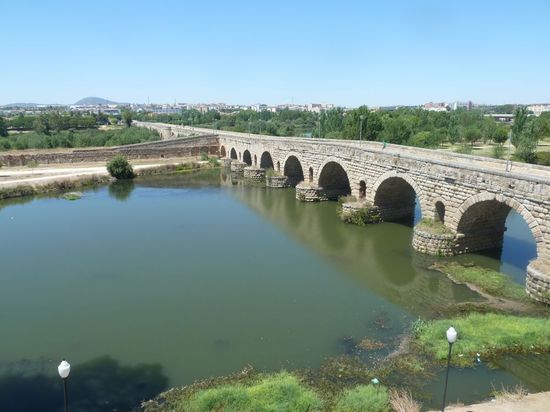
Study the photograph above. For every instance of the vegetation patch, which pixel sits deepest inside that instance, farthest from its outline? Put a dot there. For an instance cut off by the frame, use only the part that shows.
(489, 334)
(489, 281)
(360, 214)
(433, 227)
(364, 398)
(120, 168)
(72, 196)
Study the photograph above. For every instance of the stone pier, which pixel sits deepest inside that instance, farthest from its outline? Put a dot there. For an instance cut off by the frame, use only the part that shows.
(256, 174)
(238, 166)
(226, 162)
(277, 181)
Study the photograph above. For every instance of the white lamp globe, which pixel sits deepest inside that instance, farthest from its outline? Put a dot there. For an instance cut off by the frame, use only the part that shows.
(451, 335)
(64, 369)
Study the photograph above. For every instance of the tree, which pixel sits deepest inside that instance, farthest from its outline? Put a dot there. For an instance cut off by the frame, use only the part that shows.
(471, 134)
(3, 127)
(127, 117)
(526, 143)
(41, 125)
(520, 121)
(120, 168)
(499, 135)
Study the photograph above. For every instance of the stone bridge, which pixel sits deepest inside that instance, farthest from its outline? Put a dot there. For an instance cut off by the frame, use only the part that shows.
(470, 195)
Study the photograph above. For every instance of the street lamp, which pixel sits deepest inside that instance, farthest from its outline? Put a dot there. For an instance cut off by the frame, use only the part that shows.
(362, 117)
(451, 338)
(64, 369)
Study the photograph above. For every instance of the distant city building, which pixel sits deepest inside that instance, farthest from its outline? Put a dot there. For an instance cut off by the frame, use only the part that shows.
(539, 108)
(436, 107)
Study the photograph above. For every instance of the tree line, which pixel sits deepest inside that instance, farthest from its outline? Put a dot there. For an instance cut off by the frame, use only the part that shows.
(408, 126)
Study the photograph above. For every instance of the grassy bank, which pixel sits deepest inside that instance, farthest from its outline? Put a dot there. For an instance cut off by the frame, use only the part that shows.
(431, 226)
(489, 281)
(488, 334)
(281, 391)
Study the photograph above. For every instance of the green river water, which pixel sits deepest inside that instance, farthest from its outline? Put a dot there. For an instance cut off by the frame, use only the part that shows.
(170, 279)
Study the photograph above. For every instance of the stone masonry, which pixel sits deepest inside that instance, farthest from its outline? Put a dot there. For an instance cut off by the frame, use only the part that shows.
(474, 193)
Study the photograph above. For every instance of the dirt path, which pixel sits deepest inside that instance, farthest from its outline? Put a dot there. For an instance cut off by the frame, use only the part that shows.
(14, 176)
(535, 402)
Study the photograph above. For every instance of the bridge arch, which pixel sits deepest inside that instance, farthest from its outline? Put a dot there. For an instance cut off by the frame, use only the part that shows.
(247, 157)
(223, 153)
(266, 161)
(395, 195)
(292, 169)
(233, 153)
(333, 178)
(480, 222)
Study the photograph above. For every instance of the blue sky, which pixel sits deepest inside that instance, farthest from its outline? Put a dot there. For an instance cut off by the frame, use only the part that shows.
(343, 52)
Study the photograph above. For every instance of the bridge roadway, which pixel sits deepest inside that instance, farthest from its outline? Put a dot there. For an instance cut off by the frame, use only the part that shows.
(470, 195)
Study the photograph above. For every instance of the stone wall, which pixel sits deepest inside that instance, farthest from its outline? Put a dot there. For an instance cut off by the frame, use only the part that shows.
(538, 283)
(257, 174)
(433, 244)
(187, 147)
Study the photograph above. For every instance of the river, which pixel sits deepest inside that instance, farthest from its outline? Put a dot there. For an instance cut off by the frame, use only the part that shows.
(169, 279)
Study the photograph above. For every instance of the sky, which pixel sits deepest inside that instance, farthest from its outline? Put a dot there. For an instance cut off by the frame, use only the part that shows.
(348, 53)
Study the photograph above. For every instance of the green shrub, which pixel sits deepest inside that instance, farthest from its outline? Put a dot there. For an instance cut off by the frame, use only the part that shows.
(280, 392)
(498, 151)
(543, 158)
(120, 168)
(364, 398)
(204, 156)
(433, 227)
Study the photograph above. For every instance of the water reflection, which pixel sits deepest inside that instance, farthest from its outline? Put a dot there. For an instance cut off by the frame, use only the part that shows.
(121, 189)
(99, 385)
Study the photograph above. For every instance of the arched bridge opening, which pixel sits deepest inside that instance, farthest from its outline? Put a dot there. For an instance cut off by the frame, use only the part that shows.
(293, 171)
(500, 229)
(222, 151)
(266, 162)
(395, 198)
(334, 180)
(233, 154)
(247, 158)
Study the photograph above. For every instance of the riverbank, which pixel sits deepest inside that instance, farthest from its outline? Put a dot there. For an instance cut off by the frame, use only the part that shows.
(19, 181)
(533, 402)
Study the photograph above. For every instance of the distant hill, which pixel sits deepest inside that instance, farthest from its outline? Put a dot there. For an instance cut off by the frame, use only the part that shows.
(94, 101)
(21, 105)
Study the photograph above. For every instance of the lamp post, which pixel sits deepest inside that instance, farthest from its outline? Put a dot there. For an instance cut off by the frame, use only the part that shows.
(64, 369)
(362, 117)
(451, 338)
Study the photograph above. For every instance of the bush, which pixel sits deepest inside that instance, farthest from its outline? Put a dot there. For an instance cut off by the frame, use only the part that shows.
(120, 168)
(281, 392)
(543, 158)
(364, 398)
(498, 151)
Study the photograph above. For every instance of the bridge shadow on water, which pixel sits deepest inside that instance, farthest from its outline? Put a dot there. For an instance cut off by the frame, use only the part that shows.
(102, 384)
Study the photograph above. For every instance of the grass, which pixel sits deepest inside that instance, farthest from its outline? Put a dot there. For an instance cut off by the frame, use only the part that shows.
(488, 334)
(279, 392)
(364, 398)
(433, 227)
(489, 281)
